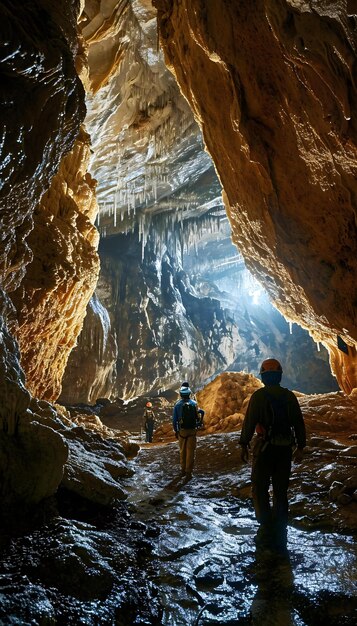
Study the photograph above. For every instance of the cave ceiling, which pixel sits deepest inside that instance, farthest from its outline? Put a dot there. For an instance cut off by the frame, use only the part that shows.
(148, 154)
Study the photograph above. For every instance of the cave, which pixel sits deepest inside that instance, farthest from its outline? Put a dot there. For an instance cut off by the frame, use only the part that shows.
(178, 202)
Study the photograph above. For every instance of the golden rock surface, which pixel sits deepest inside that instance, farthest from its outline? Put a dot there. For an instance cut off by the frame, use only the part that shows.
(52, 299)
(271, 85)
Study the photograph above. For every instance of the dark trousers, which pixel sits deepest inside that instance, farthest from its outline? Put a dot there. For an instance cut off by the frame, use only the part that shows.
(273, 464)
(149, 430)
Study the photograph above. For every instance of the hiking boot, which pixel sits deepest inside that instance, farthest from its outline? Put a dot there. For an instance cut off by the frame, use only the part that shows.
(188, 475)
(281, 539)
(264, 537)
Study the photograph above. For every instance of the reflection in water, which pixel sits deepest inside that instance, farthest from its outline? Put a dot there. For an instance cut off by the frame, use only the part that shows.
(272, 603)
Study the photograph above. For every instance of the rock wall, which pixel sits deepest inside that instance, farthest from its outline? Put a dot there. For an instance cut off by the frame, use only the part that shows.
(271, 84)
(48, 259)
(91, 368)
(42, 106)
(52, 298)
(42, 238)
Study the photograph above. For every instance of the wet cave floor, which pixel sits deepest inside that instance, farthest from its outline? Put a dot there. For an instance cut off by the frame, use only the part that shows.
(183, 553)
(208, 568)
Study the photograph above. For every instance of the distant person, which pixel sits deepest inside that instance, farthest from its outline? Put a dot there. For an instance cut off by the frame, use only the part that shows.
(201, 415)
(185, 421)
(149, 422)
(275, 415)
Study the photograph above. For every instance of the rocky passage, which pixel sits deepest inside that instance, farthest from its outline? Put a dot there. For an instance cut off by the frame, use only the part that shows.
(182, 553)
(209, 569)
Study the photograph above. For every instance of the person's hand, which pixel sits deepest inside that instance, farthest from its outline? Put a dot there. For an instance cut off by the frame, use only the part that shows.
(244, 454)
(298, 455)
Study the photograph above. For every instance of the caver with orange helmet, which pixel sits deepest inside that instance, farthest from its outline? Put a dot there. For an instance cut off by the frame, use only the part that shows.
(274, 415)
(271, 372)
(270, 365)
(149, 422)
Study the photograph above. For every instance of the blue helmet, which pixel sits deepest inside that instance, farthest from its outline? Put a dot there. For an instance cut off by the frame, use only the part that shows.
(185, 391)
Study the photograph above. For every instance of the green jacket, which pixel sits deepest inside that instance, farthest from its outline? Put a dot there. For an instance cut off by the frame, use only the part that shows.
(259, 411)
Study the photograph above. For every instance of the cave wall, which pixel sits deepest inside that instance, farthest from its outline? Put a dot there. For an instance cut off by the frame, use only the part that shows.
(42, 109)
(52, 298)
(50, 271)
(42, 106)
(48, 259)
(271, 85)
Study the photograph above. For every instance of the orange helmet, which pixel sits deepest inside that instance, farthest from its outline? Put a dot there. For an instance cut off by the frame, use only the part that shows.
(149, 405)
(270, 365)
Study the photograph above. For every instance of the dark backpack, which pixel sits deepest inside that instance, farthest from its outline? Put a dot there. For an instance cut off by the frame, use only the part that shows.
(279, 431)
(149, 417)
(189, 416)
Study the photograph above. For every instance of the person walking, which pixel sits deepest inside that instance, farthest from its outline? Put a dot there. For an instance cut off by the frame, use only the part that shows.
(185, 421)
(149, 422)
(275, 416)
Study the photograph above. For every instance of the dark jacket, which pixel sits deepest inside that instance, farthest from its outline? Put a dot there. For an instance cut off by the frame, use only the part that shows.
(149, 418)
(259, 411)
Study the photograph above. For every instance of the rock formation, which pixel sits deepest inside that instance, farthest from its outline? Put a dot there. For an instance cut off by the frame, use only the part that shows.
(271, 84)
(52, 298)
(42, 107)
(163, 329)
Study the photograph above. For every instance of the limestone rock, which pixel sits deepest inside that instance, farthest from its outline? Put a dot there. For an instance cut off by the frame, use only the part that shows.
(42, 106)
(225, 400)
(31, 465)
(157, 188)
(32, 455)
(90, 372)
(163, 329)
(281, 131)
(15, 398)
(93, 467)
(51, 301)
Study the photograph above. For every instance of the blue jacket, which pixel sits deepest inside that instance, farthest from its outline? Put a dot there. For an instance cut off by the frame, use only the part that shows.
(177, 414)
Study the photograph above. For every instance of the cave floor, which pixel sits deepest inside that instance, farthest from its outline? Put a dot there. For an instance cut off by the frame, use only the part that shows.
(183, 554)
(208, 570)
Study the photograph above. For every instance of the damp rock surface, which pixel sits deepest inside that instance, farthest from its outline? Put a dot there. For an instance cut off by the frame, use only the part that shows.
(79, 572)
(210, 571)
(181, 553)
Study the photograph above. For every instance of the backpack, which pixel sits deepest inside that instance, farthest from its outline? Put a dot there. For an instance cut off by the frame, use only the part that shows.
(149, 416)
(279, 431)
(188, 417)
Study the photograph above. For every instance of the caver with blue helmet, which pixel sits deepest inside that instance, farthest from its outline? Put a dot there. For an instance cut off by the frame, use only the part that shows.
(275, 416)
(185, 421)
